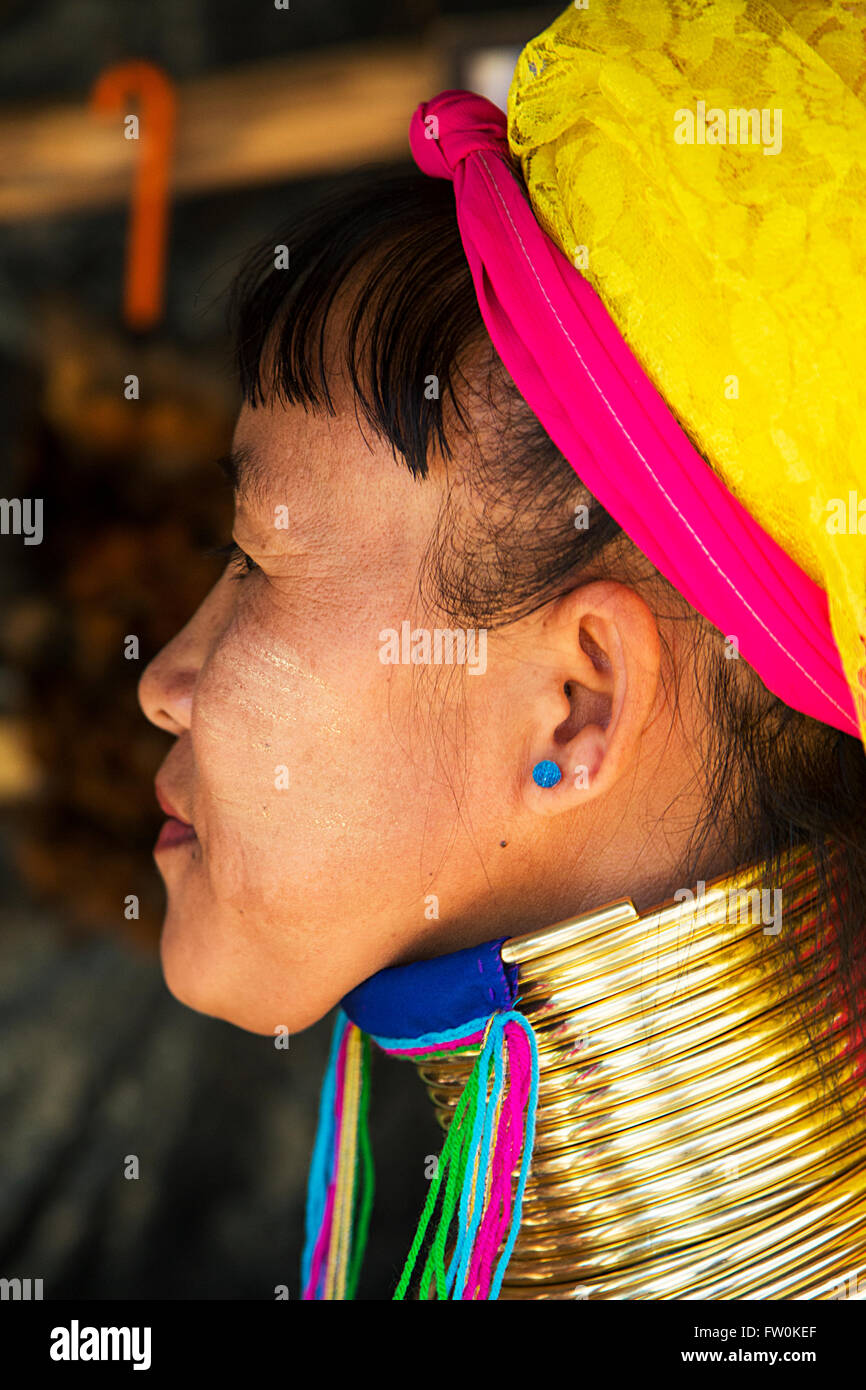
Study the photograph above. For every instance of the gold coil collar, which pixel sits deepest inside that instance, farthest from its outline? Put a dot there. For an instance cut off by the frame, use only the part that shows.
(701, 1131)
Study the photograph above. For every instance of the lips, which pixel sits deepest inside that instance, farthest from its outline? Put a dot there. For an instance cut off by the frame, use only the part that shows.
(177, 830)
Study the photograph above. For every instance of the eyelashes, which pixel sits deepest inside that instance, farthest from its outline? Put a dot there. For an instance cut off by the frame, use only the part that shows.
(237, 558)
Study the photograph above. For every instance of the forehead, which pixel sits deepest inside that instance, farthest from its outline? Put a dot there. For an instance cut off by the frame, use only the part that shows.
(277, 447)
(333, 473)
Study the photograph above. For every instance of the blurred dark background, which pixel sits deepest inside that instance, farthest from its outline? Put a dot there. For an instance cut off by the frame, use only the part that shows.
(97, 1061)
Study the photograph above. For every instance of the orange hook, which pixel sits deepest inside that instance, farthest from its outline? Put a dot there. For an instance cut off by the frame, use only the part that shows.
(144, 275)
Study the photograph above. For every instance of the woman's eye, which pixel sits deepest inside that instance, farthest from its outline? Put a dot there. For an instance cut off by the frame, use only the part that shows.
(237, 558)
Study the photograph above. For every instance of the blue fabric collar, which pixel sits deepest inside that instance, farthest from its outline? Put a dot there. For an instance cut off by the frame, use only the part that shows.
(434, 996)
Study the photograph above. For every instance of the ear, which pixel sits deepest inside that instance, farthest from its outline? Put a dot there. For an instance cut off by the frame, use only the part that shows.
(594, 688)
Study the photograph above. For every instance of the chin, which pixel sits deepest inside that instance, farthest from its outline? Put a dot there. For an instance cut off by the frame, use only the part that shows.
(195, 979)
(184, 972)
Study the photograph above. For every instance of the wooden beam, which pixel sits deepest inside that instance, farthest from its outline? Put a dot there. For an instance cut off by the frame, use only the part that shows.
(294, 117)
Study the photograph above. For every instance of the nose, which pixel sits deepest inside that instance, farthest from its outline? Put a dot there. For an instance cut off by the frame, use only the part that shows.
(168, 682)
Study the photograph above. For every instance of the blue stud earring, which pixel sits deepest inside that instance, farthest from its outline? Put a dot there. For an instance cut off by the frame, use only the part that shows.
(546, 773)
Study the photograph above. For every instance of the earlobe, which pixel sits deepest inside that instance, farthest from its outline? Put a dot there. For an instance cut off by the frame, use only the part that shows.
(575, 777)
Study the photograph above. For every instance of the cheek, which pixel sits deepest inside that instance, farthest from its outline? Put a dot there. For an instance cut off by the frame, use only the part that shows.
(304, 778)
(259, 717)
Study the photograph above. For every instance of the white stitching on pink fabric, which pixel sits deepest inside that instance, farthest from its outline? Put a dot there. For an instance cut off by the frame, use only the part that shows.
(645, 462)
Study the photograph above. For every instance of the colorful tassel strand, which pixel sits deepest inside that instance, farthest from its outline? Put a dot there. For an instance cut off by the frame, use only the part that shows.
(364, 1206)
(493, 1128)
(338, 1206)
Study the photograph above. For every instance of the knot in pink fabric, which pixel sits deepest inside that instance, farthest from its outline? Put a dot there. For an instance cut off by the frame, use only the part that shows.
(444, 131)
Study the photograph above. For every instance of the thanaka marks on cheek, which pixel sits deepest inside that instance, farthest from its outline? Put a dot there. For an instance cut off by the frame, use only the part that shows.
(285, 659)
(270, 681)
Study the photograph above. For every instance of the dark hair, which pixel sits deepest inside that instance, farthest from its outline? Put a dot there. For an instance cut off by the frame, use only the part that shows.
(773, 778)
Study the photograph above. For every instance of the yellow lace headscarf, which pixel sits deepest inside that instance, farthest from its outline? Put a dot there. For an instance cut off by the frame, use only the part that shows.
(704, 165)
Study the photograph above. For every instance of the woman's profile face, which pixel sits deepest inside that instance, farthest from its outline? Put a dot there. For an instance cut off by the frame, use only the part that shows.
(321, 782)
(356, 769)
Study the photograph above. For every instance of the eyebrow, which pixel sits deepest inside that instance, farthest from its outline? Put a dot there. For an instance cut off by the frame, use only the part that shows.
(245, 472)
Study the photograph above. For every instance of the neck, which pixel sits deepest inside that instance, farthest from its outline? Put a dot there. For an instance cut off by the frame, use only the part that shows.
(700, 1129)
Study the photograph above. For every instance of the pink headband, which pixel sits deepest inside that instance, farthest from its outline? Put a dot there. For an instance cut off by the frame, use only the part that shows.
(575, 371)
